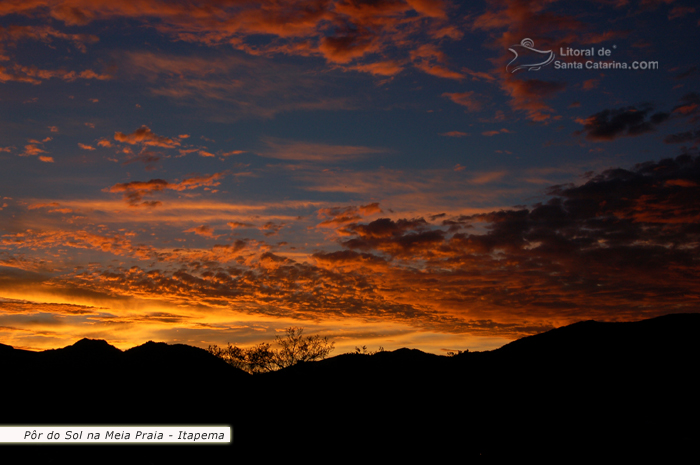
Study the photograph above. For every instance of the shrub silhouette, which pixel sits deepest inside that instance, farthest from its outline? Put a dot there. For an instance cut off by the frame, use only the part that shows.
(363, 351)
(294, 348)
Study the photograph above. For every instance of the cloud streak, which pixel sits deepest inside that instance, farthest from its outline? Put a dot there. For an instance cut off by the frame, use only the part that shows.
(315, 152)
(135, 191)
(145, 136)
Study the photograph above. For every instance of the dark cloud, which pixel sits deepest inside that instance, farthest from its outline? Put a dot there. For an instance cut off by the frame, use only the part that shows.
(134, 191)
(682, 137)
(271, 228)
(338, 216)
(629, 121)
(148, 157)
(688, 108)
(626, 239)
(687, 73)
(402, 238)
(345, 257)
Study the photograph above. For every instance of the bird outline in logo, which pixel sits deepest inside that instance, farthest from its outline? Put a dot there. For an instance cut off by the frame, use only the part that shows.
(526, 49)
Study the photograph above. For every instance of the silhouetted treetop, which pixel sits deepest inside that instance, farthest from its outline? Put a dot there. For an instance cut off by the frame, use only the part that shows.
(262, 358)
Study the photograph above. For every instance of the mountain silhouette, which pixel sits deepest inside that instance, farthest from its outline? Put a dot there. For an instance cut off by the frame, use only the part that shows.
(592, 338)
(591, 390)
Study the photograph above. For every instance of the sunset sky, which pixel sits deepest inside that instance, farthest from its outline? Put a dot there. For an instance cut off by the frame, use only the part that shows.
(214, 171)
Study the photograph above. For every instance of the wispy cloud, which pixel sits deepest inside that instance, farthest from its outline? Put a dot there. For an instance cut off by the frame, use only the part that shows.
(134, 191)
(145, 136)
(454, 134)
(309, 151)
(237, 86)
(467, 99)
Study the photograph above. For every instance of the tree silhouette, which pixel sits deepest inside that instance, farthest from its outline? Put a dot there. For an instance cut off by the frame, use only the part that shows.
(363, 351)
(294, 348)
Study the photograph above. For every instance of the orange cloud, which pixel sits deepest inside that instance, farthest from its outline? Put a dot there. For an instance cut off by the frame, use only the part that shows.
(308, 151)
(238, 224)
(485, 178)
(382, 68)
(625, 243)
(495, 132)
(338, 30)
(454, 134)
(338, 216)
(203, 230)
(85, 147)
(117, 244)
(430, 60)
(199, 181)
(134, 191)
(34, 75)
(432, 8)
(529, 95)
(145, 136)
(34, 206)
(47, 34)
(466, 99)
(31, 150)
(352, 45)
(22, 262)
(7, 75)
